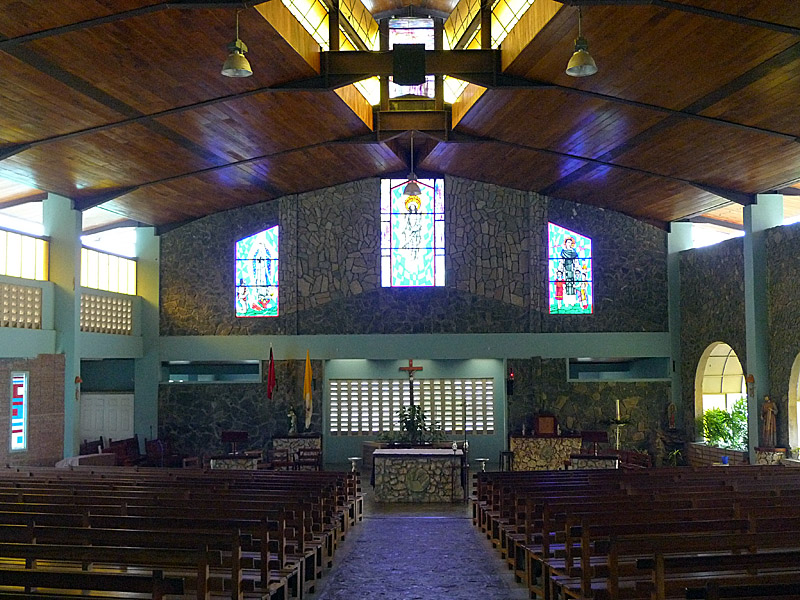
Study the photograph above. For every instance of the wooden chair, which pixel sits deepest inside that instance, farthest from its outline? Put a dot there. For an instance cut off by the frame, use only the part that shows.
(309, 457)
(93, 447)
(281, 459)
(126, 451)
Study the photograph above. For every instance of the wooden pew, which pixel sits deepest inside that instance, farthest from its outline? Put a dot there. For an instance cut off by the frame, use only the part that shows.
(154, 586)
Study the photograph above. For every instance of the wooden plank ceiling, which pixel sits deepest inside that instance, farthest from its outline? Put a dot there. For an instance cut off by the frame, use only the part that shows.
(120, 103)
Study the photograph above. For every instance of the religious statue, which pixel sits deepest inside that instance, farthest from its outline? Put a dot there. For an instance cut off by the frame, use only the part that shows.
(768, 412)
(292, 422)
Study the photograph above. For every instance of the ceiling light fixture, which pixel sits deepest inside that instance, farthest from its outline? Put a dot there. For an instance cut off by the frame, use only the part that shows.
(412, 191)
(236, 65)
(581, 64)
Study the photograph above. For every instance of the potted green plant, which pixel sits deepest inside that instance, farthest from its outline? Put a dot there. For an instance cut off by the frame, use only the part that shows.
(414, 429)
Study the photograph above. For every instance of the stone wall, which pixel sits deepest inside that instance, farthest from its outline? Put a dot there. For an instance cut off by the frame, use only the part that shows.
(193, 416)
(541, 386)
(783, 248)
(629, 260)
(712, 310)
(45, 410)
(418, 479)
(496, 267)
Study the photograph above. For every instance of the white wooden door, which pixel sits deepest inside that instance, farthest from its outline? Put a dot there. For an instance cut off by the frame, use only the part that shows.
(108, 415)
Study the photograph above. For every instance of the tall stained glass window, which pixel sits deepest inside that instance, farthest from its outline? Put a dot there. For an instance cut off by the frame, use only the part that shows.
(412, 234)
(19, 411)
(570, 271)
(257, 275)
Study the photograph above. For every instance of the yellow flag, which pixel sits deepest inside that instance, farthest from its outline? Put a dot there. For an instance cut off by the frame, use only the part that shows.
(307, 390)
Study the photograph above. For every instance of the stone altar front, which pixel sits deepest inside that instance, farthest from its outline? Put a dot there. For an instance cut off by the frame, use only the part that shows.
(543, 453)
(418, 475)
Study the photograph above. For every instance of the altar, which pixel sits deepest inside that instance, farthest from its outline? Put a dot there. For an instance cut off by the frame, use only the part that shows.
(418, 475)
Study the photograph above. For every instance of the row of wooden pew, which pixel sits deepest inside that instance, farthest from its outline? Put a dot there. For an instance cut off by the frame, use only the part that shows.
(651, 534)
(114, 532)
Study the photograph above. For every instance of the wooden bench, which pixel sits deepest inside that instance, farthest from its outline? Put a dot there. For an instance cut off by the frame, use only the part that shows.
(154, 586)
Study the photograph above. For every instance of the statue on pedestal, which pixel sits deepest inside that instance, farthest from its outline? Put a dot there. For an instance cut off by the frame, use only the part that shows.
(769, 410)
(292, 422)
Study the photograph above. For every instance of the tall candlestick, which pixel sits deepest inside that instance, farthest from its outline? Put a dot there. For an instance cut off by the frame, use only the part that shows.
(617, 409)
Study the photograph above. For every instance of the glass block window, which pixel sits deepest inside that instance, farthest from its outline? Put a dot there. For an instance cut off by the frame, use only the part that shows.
(103, 271)
(412, 234)
(22, 306)
(23, 256)
(107, 314)
(411, 31)
(19, 411)
(370, 406)
(570, 271)
(257, 275)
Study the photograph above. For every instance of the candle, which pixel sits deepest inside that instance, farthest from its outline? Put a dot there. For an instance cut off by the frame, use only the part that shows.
(617, 409)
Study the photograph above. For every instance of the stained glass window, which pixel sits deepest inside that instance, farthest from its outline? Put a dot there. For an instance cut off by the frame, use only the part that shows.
(570, 271)
(412, 234)
(257, 275)
(19, 411)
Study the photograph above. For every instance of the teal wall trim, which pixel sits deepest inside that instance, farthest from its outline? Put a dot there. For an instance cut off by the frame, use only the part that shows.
(147, 366)
(433, 346)
(678, 240)
(62, 225)
(766, 213)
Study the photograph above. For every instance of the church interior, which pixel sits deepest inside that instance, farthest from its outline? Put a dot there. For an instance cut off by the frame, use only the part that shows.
(530, 244)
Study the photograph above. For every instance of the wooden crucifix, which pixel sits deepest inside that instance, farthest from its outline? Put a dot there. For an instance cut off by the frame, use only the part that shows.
(410, 370)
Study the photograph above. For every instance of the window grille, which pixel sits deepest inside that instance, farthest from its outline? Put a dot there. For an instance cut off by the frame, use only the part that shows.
(22, 306)
(370, 407)
(106, 314)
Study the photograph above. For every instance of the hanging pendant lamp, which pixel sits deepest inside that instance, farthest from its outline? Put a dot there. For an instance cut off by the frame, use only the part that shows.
(236, 65)
(581, 64)
(412, 191)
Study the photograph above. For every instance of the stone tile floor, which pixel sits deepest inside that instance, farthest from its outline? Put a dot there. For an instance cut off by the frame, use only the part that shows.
(417, 552)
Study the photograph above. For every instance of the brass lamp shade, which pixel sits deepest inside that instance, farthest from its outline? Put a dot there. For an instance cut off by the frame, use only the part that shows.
(236, 65)
(581, 64)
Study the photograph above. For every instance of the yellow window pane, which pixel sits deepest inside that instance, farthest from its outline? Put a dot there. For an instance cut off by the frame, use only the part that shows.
(42, 260)
(84, 268)
(132, 278)
(27, 257)
(3, 253)
(14, 255)
(92, 269)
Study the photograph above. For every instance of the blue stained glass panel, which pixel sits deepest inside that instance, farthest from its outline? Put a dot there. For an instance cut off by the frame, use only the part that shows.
(256, 275)
(412, 233)
(570, 288)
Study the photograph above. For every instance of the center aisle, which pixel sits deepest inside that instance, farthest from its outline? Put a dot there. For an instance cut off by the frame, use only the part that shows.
(418, 552)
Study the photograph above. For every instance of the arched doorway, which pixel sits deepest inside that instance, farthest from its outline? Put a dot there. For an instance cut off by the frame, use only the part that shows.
(719, 381)
(794, 404)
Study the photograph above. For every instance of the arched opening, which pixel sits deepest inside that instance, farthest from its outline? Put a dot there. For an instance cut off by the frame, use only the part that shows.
(719, 381)
(794, 404)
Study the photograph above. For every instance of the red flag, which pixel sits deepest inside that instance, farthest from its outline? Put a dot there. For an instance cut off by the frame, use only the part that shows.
(270, 375)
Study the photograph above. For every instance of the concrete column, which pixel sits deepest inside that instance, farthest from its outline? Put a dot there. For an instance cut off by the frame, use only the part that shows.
(148, 366)
(62, 224)
(678, 240)
(766, 213)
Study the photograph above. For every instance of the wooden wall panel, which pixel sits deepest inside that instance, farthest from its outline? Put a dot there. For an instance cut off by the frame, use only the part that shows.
(357, 103)
(468, 98)
(786, 12)
(21, 17)
(638, 195)
(770, 102)
(267, 123)
(741, 160)
(117, 157)
(531, 24)
(557, 120)
(36, 106)
(502, 164)
(173, 58)
(664, 58)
